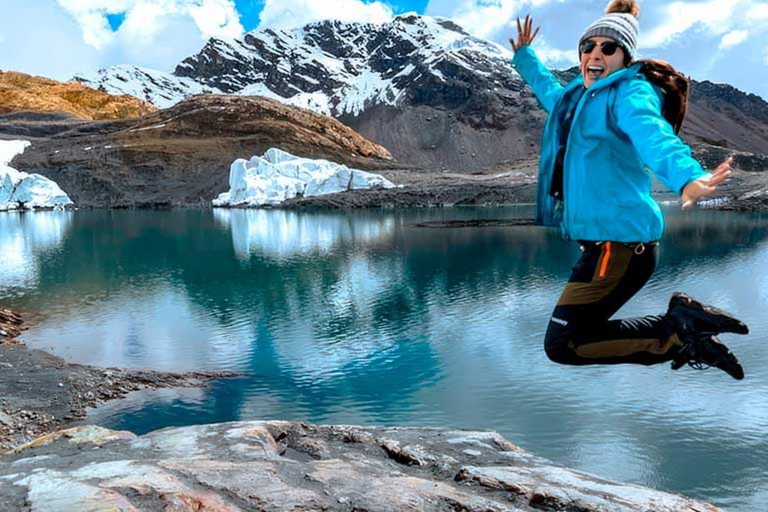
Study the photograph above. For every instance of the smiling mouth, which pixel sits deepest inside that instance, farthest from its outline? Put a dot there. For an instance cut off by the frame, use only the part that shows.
(595, 72)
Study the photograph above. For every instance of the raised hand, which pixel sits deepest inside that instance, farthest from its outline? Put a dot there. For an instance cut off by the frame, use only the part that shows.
(706, 185)
(524, 35)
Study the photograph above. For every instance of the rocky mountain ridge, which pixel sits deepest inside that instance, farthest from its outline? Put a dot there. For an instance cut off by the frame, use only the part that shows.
(22, 92)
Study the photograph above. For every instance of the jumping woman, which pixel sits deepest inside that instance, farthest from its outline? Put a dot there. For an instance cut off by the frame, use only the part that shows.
(604, 129)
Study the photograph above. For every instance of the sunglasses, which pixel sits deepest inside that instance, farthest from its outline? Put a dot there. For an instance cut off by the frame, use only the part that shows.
(607, 48)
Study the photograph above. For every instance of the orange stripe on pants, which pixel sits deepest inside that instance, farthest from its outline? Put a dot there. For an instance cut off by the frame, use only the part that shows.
(606, 257)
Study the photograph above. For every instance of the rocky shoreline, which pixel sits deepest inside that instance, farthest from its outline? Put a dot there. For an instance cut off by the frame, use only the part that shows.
(278, 465)
(42, 393)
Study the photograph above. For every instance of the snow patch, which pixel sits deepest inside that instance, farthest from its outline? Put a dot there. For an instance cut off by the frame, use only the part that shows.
(156, 127)
(368, 88)
(10, 148)
(277, 175)
(22, 191)
(161, 89)
(315, 101)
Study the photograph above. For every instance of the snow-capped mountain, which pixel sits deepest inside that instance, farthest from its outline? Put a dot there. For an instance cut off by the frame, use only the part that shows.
(331, 67)
(420, 86)
(161, 89)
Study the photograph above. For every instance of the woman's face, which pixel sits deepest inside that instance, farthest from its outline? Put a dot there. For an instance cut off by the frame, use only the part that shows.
(596, 64)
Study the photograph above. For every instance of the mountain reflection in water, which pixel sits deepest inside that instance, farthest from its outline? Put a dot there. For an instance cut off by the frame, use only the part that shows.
(368, 318)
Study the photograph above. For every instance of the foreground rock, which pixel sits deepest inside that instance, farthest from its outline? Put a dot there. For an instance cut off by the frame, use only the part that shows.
(41, 392)
(276, 176)
(291, 466)
(10, 325)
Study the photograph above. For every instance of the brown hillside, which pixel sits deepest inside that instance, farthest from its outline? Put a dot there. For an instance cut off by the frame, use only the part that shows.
(181, 155)
(21, 92)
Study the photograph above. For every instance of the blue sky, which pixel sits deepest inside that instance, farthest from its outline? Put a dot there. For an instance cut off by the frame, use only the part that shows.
(717, 40)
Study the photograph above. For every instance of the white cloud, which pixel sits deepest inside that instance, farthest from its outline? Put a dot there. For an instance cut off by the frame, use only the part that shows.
(479, 17)
(733, 38)
(95, 27)
(59, 38)
(159, 44)
(555, 57)
(39, 38)
(145, 19)
(484, 18)
(758, 12)
(143, 22)
(296, 13)
(214, 17)
(719, 17)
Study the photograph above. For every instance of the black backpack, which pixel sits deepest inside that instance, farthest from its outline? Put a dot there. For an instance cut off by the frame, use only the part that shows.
(675, 85)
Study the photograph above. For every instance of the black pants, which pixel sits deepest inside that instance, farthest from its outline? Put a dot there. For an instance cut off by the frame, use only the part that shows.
(606, 276)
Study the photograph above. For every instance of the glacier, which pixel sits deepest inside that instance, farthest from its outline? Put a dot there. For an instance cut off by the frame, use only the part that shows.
(22, 191)
(278, 175)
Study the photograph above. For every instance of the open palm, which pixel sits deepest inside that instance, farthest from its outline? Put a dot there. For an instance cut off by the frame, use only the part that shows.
(524, 35)
(706, 185)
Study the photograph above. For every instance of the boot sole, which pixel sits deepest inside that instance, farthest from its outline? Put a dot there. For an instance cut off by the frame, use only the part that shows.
(732, 367)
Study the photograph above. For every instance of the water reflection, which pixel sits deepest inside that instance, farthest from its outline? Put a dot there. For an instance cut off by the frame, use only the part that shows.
(370, 319)
(282, 234)
(25, 238)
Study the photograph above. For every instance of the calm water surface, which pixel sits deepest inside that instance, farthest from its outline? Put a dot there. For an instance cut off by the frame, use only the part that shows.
(370, 319)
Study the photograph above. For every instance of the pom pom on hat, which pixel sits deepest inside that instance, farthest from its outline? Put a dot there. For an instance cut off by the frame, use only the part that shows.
(625, 6)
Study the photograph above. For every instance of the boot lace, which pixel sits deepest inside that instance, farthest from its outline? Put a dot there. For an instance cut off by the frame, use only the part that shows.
(690, 354)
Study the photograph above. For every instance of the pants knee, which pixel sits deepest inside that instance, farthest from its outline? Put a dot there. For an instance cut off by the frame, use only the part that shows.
(557, 348)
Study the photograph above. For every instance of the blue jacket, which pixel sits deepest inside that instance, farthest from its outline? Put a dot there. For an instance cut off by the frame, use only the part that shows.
(617, 132)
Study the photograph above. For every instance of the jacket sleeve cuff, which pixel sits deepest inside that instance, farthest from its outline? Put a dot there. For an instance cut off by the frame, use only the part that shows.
(521, 53)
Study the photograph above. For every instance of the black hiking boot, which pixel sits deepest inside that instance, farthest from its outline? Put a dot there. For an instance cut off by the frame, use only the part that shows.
(705, 350)
(689, 317)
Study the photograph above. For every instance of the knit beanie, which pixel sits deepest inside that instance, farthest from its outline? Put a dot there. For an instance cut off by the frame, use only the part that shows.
(619, 23)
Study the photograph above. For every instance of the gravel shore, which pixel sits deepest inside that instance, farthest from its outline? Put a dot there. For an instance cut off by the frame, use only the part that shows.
(42, 393)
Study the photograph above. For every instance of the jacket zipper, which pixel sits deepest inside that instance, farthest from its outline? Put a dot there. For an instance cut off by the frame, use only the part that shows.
(606, 83)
